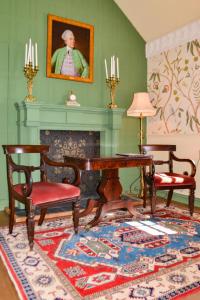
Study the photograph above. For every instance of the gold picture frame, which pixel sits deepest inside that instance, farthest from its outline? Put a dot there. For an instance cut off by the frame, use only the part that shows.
(80, 67)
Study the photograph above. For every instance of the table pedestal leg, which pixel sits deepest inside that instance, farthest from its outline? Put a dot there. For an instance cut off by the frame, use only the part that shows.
(110, 190)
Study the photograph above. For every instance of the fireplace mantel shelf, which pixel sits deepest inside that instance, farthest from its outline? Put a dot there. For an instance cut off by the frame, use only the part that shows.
(58, 107)
(33, 117)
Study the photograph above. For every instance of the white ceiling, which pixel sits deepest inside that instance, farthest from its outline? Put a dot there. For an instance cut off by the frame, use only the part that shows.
(155, 18)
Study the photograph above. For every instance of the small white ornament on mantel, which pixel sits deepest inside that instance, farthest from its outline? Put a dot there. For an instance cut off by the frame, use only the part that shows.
(71, 100)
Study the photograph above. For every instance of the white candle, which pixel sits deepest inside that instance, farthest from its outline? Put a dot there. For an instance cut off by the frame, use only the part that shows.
(113, 66)
(32, 57)
(117, 68)
(29, 52)
(36, 55)
(106, 68)
(26, 54)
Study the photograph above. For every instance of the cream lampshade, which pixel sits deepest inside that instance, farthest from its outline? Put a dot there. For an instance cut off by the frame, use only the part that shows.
(141, 107)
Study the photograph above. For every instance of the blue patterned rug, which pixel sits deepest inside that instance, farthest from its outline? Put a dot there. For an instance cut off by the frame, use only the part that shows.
(123, 259)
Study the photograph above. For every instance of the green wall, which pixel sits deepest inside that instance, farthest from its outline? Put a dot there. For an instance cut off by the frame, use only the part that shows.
(113, 35)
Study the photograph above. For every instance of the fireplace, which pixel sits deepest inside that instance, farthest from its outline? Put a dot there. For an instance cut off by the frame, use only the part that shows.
(33, 118)
(73, 143)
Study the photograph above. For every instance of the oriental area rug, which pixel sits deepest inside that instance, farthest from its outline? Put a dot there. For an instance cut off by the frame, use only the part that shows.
(121, 259)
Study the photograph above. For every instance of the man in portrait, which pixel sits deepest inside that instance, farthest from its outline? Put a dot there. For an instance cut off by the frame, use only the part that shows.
(69, 60)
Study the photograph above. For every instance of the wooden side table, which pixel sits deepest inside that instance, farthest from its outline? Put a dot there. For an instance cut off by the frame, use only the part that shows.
(110, 188)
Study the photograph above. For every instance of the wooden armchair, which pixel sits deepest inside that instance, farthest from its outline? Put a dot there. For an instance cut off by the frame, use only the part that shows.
(168, 180)
(41, 194)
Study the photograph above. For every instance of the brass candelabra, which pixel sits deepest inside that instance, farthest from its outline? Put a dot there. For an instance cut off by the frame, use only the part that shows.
(30, 72)
(112, 83)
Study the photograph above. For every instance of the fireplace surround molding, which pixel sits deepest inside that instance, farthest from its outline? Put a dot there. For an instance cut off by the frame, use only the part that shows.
(33, 117)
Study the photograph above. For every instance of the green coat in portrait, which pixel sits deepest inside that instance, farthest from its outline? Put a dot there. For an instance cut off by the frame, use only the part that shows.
(80, 63)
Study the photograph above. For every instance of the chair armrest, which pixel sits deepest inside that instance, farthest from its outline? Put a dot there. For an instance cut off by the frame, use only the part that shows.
(187, 160)
(27, 170)
(63, 164)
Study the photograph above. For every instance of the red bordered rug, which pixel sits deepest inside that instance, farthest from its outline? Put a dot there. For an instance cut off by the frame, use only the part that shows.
(158, 258)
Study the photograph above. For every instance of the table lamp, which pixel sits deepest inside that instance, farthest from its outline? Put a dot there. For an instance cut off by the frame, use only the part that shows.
(141, 107)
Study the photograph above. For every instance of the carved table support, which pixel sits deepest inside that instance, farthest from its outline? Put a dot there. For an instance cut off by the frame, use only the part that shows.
(110, 188)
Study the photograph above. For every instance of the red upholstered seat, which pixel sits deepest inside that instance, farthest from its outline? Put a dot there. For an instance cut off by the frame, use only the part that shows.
(166, 179)
(43, 192)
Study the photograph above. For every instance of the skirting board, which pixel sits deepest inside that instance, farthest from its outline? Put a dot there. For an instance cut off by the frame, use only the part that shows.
(21, 219)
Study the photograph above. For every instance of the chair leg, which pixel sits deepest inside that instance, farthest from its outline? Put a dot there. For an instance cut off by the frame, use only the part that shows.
(145, 195)
(191, 201)
(42, 216)
(30, 223)
(76, 206)
(12, 213)
(152, 194)
(169, 197)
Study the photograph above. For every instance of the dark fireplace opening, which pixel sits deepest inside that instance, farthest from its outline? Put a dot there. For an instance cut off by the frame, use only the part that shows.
(73, 143)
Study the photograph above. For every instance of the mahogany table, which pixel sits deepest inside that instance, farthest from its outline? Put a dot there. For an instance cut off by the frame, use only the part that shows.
(110, 188)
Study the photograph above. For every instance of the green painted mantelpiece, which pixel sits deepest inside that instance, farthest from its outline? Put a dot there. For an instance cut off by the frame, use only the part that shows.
(33, 117)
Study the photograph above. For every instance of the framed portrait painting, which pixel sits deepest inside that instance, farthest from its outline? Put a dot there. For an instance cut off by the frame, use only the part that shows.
(70, 49)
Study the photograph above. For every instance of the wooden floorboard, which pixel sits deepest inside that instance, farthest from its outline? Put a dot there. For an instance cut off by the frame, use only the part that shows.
(7, 289)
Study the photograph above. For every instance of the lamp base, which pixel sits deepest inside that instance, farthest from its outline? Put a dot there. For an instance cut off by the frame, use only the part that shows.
(133, 196)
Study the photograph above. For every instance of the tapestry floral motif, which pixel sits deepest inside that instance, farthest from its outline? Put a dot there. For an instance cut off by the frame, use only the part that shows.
(174, 87)
(73, 143)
